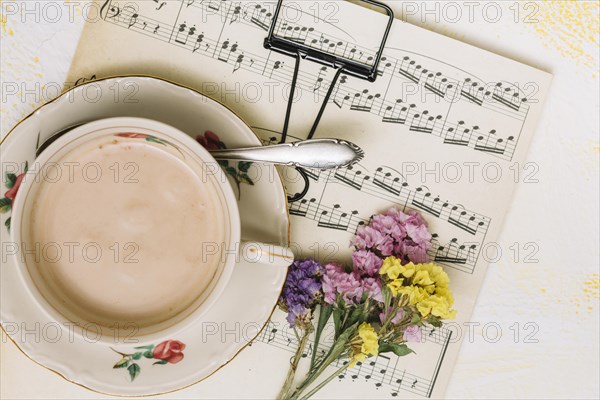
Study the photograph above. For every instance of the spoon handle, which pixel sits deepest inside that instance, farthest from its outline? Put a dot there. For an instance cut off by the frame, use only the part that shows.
(314, 153)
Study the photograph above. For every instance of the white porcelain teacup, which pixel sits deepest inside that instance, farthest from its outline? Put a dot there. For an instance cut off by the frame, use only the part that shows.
(129, 229)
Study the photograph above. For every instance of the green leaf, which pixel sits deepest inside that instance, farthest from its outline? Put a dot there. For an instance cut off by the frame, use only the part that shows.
(7, 224)
(337, 320)
(26, 166)
(148, 347)
(136, 356)
(122, 363)
(161, 362)
(415, 319)
(224, 163)
(339, 347)
(358, 315)
(154, 139)
(344, 338)
(244, 178)
(244, 166)
(149, 354)
(231, 171)
(434, 321)
(11, 179)
(134, 371)
(5, 205)
(325, 312)
(398, 349)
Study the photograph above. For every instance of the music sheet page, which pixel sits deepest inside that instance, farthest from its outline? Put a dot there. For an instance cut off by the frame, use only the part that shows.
(445, 129)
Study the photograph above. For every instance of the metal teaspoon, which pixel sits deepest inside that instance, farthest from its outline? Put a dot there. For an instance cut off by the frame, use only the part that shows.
(314, 153)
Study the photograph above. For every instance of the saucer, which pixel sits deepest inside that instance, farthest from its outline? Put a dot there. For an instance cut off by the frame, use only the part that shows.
(196, 352)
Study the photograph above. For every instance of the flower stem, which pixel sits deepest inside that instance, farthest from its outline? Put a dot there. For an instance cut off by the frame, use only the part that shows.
(118, 352)
(325, 382)
(333, 355)
(289, 380)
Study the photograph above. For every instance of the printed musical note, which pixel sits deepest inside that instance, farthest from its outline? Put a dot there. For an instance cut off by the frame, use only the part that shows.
(424, 122)
(180, 33)
(235, 14)
(410, 69)
(261, 17)
(228, 51)
(277, 65)
(160, 4)
(133, 20)
(388, 182)
(351, 176)
(423, 200)
(503, 100)
(319, 81)
(509, 97)
(238, 62)
(397, 114)
(198, 43)
(457, 217)
(272, 335)
(364, 101)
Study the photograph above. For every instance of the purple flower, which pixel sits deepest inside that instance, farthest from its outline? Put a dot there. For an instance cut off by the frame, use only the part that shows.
(404, 235)
(397, 318)
(366, 262)
(301, 291)
(349, 286)
(416, 241)
(372, 286)
(413, 333)
(411, 217)
(388, 225)
(336, 281)
(370, 238)
(297, 314)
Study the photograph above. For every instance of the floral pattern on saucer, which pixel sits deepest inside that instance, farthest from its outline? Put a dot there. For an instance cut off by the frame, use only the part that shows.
(147, 138)
(167, 352)
(13, 183)
(210, 141)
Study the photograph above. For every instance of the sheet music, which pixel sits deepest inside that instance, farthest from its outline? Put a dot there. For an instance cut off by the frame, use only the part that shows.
(445, 128)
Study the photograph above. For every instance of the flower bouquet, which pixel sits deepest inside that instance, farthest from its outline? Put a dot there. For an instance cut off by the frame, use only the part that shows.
(378, 304)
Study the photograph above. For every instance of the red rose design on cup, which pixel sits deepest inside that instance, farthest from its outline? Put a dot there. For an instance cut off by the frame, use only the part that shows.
(132, 135)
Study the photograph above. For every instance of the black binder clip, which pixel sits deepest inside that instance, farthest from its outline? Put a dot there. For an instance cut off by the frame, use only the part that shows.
(341, 61)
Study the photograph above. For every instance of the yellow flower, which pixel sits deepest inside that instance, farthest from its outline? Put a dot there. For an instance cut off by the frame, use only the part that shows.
(436, 273)
(445, 293)
(391, 267)
(408, 270)
(437, 306)
(369, 344)
(415, 294)
(422, 278)
(395, 285)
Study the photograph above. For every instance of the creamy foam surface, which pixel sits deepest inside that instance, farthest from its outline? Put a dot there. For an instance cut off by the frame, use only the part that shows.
(150, 215)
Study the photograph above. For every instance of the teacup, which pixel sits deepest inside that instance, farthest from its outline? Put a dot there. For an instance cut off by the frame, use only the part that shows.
(129, 229)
